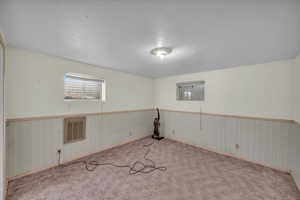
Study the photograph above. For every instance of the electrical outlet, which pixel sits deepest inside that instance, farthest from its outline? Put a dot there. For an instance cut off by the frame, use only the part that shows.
(173, 132)
(237, 146)
(59, 156)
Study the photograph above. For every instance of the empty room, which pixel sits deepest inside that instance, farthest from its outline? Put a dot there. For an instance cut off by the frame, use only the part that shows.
(154, 100)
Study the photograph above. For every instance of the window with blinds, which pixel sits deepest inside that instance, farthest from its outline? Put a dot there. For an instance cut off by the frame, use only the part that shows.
(81, 87)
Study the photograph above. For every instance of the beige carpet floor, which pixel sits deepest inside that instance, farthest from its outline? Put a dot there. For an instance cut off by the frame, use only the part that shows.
(192, 174)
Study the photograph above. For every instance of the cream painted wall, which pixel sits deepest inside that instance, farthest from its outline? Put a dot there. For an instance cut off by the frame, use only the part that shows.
(296, 89)
(259, 91)
(35, 87)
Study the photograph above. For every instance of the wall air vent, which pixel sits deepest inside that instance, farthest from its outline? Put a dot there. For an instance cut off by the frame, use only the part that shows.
(74, 129)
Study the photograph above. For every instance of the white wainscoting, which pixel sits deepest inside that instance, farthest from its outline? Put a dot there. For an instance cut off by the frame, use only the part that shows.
(294, 152)
(32, 145)
(260, 141)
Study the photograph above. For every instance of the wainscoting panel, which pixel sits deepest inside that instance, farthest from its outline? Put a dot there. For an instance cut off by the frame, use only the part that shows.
(294, 153)
(32, 145)
(261, 141)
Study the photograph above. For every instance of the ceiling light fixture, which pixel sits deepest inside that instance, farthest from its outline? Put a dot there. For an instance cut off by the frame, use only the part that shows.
(161, 52)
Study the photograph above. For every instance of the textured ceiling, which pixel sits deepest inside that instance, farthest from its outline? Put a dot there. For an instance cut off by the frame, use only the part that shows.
(119, 34)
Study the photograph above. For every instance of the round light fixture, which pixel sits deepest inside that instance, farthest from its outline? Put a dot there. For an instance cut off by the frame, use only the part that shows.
(161, 51)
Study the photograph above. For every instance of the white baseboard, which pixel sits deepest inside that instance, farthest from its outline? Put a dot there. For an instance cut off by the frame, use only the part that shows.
(296, 178)
(234, 156)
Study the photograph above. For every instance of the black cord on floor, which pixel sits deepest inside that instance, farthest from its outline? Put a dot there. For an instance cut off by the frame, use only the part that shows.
(137, 167)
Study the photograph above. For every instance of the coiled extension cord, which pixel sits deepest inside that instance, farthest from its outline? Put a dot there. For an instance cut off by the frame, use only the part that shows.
(137, 167)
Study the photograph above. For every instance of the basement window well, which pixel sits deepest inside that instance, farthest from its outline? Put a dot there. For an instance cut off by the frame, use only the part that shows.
(190, 91)
(83, 87)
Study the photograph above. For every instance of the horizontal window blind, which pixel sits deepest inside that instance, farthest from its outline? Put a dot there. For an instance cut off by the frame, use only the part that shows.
(82, 88)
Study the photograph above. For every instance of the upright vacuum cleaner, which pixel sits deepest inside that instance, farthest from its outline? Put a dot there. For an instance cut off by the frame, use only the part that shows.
(156, 125)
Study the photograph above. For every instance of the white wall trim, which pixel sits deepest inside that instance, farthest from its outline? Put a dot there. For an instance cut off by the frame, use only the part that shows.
(73, 115)
(232, 116)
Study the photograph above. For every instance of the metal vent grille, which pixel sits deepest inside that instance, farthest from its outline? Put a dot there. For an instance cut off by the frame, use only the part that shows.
(74, 129)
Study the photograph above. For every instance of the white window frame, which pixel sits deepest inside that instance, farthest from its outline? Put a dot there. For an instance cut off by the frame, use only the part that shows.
(187, 94)
(91, 77)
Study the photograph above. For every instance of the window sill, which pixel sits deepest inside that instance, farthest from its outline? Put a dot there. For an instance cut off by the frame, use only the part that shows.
(83, 100)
